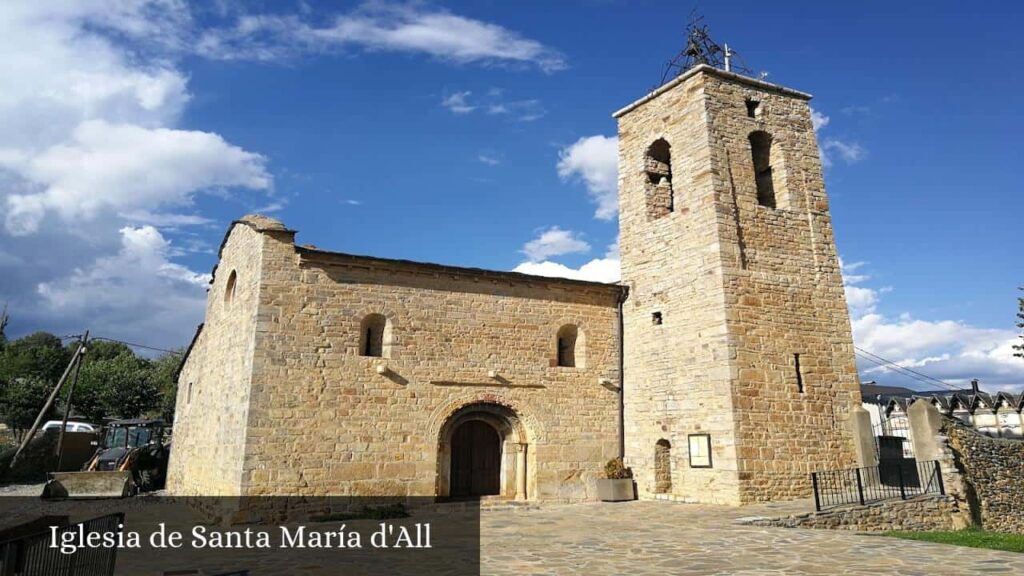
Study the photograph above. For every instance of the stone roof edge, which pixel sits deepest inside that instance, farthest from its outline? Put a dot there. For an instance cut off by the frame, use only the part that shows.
(716, 72)
(462, 270)
(247, 221)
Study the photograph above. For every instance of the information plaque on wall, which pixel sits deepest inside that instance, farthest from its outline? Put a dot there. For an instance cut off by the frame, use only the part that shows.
(700, 451)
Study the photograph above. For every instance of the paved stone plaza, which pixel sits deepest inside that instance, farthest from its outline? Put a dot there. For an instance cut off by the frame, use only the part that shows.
(661, 538)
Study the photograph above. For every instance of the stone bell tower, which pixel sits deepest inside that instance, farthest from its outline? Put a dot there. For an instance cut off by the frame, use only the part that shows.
(739, 365)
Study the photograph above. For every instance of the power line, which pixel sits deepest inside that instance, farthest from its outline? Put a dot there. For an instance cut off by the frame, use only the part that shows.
(914, 374)
(134, 345)
(887, 361)
(893, 368)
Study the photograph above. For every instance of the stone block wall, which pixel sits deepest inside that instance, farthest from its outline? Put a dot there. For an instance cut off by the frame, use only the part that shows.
(741, 290)
(213, 386)
(794, 372)
(993, 474)
(917, 514)
(678, 379)
(323, 419)
(276, 398)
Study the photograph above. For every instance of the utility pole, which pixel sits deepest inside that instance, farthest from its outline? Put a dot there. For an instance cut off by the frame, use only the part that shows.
(67, 403)
(49, 403)
(3, 323)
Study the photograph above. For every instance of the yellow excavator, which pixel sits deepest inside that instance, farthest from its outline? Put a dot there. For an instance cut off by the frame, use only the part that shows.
(131, 458)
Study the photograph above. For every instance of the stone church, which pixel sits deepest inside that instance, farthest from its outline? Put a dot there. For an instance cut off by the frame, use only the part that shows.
(721, 367)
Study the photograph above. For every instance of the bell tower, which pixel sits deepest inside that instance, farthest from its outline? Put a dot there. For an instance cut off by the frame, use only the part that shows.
(739, 367)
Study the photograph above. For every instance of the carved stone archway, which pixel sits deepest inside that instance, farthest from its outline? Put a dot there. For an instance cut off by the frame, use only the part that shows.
(513, 475)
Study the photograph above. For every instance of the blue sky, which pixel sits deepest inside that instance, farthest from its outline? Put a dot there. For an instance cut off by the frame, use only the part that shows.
(480, 134)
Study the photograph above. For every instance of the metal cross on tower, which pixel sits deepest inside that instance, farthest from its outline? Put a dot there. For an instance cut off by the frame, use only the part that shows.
(701, 49)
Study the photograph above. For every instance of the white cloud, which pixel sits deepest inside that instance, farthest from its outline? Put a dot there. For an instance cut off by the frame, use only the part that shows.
(489, 159)
(554, 242)
(112, 290)
(604, 269)
(818, 120)
(848, 152)
(165, 219)
(126, 167)
(493, 104)
(860, 299)
(458, 102)
(380, 27)
(521, 110)
(950, 350)
(594, 159)
(90, 149)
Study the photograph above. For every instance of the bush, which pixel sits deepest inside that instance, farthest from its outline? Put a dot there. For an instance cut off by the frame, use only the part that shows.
(616, 470)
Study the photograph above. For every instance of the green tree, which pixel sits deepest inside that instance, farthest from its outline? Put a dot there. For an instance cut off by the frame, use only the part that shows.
(122, 386)
(21, 399)
(1020, 324)
(29, 368)
(164, 369)
(40, 355)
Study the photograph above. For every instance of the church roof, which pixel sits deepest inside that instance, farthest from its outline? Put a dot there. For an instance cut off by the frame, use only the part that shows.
(431, 267)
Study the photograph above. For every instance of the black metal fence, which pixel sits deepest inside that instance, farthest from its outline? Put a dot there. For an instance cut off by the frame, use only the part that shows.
(33, 555)
(889, 480)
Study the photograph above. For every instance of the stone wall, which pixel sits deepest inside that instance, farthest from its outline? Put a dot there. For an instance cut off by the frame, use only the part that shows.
(921, 513)
(784, 295)
(993, 474)
(323, 419)
(213, 386)
(741, 288)
(678, 379)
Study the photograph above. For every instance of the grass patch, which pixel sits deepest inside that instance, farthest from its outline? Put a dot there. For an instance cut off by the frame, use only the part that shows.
(973, 537)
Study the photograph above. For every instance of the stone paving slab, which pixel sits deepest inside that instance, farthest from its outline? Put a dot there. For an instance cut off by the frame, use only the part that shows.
(641, 538)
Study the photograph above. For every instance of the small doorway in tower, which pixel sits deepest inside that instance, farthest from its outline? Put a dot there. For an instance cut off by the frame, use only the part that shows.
(662, 467)
(476, 460)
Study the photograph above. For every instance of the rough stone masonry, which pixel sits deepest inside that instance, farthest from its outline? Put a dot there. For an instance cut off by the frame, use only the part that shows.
(723, 362)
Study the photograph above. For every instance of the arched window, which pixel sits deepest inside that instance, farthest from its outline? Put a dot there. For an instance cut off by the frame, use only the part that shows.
(662, 467)
(374, 336)
(761, 150)
(229, 289)
(658, 169)
(570, 346)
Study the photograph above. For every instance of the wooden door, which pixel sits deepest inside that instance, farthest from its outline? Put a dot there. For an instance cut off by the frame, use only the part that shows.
(476, 460)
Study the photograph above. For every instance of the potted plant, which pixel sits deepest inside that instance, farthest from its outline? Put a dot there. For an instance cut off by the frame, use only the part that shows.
(617, 484)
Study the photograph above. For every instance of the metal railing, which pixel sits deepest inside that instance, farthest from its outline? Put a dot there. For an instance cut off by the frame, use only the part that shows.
(889, 480)
(33, 556)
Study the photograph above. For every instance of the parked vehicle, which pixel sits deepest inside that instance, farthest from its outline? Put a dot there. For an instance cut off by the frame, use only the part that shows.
(73, 426)
(131, 458)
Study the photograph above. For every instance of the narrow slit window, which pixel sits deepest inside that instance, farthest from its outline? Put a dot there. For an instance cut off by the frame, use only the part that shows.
(372, 341)
(229, 290)
(566, 342)
(799, 374)
(760, 150)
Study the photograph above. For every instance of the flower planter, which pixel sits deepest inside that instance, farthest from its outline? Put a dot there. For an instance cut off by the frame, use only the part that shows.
(618, 490)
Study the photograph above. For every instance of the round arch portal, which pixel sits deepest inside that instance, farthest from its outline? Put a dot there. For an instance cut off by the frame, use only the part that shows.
(482, 452)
